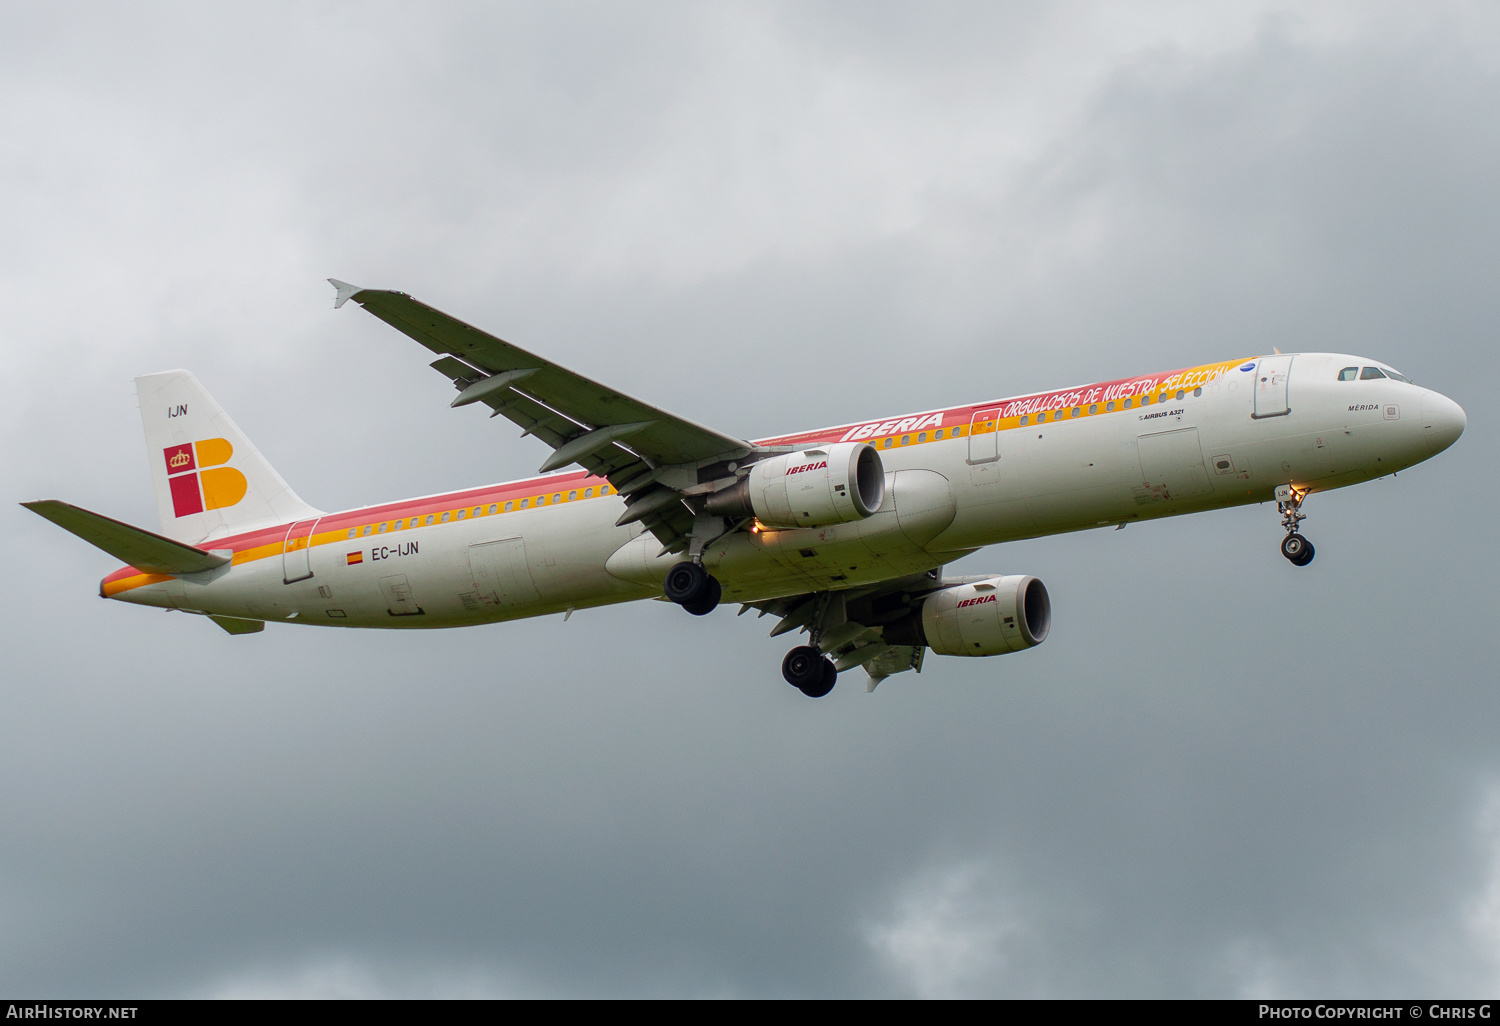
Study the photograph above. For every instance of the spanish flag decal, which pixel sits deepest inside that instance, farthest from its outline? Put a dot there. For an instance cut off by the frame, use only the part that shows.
(354, 557)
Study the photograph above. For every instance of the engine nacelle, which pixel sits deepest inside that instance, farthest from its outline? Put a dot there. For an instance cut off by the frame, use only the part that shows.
(988, 617)
(816, 487)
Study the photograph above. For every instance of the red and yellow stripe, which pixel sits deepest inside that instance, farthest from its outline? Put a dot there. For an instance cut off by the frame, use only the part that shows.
(1101, 399)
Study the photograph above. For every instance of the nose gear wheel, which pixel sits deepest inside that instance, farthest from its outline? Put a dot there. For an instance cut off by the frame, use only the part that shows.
(1297, 549)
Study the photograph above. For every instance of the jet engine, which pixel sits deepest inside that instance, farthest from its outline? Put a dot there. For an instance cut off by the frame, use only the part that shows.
(986, 617)
(817, 487)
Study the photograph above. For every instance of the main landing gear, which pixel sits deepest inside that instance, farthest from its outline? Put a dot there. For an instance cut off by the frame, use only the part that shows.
(693, 588)
(1294, 546)
(805, 667)
(809, 671)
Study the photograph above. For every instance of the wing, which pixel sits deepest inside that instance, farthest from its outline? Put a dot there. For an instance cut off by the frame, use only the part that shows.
(651, 457)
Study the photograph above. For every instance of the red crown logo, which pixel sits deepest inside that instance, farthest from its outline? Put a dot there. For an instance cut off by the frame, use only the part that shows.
(213, 486)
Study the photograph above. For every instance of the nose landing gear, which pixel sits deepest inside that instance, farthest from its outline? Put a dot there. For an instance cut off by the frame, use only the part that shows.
(1295, 547)
(809, 671)
(693, 588)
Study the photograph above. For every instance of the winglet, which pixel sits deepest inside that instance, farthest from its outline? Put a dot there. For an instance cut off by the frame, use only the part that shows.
(345, 291)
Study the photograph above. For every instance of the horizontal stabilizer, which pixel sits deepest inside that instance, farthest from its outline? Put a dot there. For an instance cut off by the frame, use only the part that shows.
(141, 549)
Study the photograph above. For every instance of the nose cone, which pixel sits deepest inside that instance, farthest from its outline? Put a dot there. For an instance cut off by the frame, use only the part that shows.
(1443, 421)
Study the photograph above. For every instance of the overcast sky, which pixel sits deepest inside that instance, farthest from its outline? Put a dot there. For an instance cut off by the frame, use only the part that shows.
(1220, 776)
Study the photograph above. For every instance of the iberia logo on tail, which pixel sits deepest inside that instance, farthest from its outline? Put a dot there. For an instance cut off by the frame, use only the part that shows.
(198, 479)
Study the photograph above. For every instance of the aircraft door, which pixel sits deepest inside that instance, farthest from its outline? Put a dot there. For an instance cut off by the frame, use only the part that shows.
(296, 548)
(1270, 386)
(984, 449)
(983, 437)
(500, 573)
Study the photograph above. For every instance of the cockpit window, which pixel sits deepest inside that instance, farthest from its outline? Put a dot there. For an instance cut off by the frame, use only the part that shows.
(1370, 373)
(1392, 374)
(1348, 373)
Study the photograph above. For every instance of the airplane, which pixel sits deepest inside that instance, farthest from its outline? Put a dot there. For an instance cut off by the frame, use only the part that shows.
(841, 532)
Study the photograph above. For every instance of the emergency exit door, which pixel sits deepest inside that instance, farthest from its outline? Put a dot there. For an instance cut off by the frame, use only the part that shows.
(984, 449)
(983, 437)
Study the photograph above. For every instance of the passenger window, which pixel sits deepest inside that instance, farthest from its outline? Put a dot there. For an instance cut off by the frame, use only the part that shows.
(1180, 393)
(1348, 373)
(557, 497)
(957, 431)
(922, 437)
(429, 520)
(493, 509)
(525, 503)
(1126, 404)
(1025, 421)
(1197, 392)
(1370, 374)
(588, 493)
(1076, 411)
(353, 531)
(1109, 407)
(366, 531)
(446, 517)
(510, 506)
(604, 490)
(1145, 400)
(937, 435)
(414, 521)
(906, 439)
(1093, 409)
(572, 496)
(1041, 418)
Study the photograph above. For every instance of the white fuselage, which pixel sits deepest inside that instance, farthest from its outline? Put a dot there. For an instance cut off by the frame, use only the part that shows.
(1001, 478)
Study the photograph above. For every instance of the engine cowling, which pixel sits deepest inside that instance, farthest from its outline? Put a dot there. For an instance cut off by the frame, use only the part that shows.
(982, 618)
(815, 487)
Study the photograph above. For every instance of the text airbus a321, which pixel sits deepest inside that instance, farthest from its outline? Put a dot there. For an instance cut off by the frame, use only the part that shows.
(840, 532)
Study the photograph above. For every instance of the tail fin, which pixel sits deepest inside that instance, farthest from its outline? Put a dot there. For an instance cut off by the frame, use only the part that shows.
(210, 481)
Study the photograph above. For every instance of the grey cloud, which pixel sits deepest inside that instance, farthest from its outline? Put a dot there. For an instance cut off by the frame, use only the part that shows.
(1219, 776)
